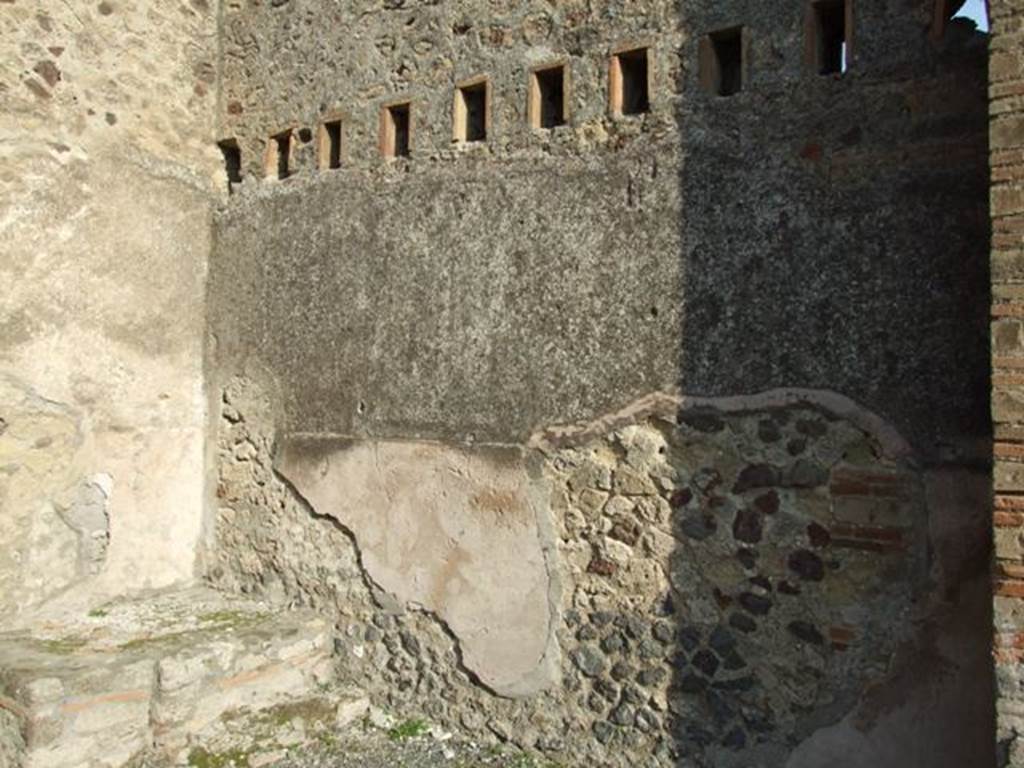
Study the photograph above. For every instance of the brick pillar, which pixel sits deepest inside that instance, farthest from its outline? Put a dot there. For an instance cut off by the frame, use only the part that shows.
(1006, 92)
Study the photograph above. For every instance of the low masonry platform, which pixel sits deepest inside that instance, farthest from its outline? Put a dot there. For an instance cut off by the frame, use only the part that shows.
(191, 677)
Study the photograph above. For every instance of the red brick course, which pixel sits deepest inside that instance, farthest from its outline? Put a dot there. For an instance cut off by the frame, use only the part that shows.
(848, 481)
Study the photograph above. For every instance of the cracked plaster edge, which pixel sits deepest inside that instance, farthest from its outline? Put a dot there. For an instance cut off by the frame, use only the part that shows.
(381, 597)
(666, 405)
(545, 672)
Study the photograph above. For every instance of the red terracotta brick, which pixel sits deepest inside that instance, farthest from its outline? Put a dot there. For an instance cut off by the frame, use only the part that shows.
(1008, 450)
(812, 151)
(1008, 310)
(841, 637)
(1008, 588)
(1009, 640)
(1005, 502)
(1007, 157)
(1002, 173)
(1008, 519)
(602, 567)
(1012, 224)
(848, 481)
(868, 533)
(867, 545)
(842, 633)
(1002, 90)
(1006, 240)
(1007, 656)
(1010, 571)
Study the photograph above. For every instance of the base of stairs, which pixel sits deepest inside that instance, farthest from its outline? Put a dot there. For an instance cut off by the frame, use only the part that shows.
(190, 677)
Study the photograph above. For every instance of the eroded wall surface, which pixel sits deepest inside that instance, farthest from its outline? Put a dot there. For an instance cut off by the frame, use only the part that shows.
(795, 578)
(105, 185)
(772, 238)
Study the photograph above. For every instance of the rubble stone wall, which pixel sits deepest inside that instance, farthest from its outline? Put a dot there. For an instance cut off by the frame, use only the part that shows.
(776, 585)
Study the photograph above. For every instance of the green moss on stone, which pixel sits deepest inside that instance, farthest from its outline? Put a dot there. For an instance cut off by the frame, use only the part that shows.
(230, 618)
(144, 642)
(63, 646)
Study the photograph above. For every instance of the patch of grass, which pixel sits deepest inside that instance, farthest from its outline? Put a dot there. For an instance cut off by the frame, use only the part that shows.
(499, 756)
(312, 711)
(410, 729)
(200, 758)
(97, 613)
(524, 760)
(328, 740)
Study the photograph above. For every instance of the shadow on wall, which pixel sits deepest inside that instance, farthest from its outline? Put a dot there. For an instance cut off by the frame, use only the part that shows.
(826, 595)
(835, 237)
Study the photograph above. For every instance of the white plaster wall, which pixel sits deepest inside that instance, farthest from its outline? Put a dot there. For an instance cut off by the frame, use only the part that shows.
(106, 182)
(457, 532)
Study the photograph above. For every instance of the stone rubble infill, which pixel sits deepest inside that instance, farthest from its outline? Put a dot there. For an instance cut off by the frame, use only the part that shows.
(395, 748)
(190, 677)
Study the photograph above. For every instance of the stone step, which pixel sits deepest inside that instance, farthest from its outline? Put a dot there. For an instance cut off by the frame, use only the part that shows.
(190, 677)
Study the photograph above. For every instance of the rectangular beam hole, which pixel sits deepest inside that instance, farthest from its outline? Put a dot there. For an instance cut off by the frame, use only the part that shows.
(471, 111)
(396, 130)
(631, 82)
(830, 36)
(330, 145)
(279, 155)
(232, 155)
(727, 61)
(548, 97)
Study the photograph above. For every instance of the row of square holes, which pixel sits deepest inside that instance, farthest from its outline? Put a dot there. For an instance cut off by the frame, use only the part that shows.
(721, 71)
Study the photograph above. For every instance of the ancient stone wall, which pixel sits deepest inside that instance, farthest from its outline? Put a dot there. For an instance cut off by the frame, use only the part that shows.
(744, 583)
(106, 155)
(1007, 137)
(790, 572)
(834, 226)
(563, 242)
(628, 254)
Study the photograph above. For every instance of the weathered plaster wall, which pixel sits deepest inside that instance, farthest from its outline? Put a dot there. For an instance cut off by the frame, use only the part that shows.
(447, 529)
(528, 280)
(378, 333)
(105, 185)
(729, 245)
